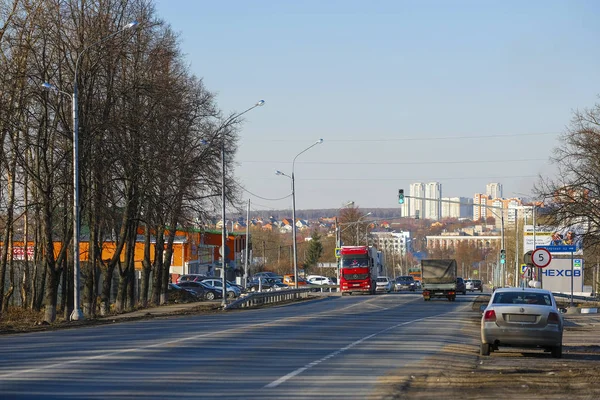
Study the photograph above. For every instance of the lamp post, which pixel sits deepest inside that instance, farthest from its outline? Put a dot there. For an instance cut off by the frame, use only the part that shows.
(77, 314)
(358, 227)
(295, 251)
(223, 251)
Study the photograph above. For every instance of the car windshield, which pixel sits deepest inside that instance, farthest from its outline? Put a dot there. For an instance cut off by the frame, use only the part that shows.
(522, 298)
(382, 279)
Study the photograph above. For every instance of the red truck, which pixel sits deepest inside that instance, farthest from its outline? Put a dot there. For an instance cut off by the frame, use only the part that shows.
(358, 269)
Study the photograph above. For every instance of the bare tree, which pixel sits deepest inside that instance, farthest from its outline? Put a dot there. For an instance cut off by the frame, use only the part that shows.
(573, 195)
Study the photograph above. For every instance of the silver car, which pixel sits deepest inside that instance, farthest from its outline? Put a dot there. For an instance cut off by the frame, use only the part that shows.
(384, 284)
(524, 317)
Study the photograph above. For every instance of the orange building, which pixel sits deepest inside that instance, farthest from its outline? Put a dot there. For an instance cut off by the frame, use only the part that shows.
(194, 251)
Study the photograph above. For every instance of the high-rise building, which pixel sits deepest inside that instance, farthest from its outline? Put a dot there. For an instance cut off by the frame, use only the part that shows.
(457, 207)
(415, 207)
(479, 212)
(433, 208)
(494, 190)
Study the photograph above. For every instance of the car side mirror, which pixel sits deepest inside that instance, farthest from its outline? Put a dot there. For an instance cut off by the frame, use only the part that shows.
(482, 308)
(562, 310)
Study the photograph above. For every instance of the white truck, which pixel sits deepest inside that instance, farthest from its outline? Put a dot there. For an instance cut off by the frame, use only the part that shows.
(438, 278)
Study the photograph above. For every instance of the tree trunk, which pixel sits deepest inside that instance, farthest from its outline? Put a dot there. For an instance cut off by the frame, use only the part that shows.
(51, 294)
(106, 285)
(146, 268)
(157, 270)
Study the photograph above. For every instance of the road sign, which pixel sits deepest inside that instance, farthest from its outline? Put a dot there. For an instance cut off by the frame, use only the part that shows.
(541, 257)
(523, 268)
(338, 252)
(559, 249)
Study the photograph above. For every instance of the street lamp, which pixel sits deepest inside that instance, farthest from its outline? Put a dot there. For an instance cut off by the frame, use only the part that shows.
(77, 314)
(358, 227)
(294, 210)
(231, 119)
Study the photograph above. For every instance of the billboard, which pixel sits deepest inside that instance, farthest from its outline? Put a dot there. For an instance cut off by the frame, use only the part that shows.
(556, 277)
(559, 240)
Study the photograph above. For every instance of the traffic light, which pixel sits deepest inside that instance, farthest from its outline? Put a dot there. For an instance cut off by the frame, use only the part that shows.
(502, 256)
(400, 196)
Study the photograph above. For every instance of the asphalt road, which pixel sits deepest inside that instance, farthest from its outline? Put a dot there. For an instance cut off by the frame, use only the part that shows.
(336, 347)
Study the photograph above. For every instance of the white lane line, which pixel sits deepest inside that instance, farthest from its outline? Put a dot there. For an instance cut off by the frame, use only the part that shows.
(243, 329)
(292, 374)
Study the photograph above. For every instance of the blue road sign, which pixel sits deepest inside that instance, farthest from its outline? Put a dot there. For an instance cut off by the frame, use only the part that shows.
(559, 249)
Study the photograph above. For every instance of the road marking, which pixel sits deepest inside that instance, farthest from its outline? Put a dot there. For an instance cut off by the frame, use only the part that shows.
(292, 374)
(243, 329)
(162, 344)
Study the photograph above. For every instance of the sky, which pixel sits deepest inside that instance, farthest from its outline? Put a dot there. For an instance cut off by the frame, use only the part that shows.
(459, 92)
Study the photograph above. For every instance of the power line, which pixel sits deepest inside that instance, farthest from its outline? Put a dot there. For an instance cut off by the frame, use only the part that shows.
(399, 163)
(417, 179)
(260, 197)
(427, 138)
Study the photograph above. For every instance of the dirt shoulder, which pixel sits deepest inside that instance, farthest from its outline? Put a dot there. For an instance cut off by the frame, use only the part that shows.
(458, 371)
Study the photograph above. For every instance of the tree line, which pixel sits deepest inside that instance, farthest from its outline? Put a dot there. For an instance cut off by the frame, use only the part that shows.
(149, 149)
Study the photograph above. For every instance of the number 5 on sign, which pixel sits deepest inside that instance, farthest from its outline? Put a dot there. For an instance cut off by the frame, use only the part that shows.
(541, 258)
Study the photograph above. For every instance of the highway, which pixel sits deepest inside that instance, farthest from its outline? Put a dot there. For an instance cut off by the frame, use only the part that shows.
(335, 347)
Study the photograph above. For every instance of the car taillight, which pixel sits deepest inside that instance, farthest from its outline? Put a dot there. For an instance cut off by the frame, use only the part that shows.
(553, 318)
(490, 315)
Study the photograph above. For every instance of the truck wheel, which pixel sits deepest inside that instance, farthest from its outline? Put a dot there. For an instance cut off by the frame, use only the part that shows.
(485, 349)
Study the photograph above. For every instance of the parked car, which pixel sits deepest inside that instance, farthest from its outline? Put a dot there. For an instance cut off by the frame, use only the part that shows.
(473, 285)
(232, 291)
(277, 286)
(203, 290)
(319, 280)
(266, 274)
(264, 284)
(405, 282)
(384, 284)
(460, 286)
(524, 317)
(191, 277)
(180, 294)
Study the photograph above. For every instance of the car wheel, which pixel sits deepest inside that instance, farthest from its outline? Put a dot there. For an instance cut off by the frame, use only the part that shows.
(230, 295)
(557, 351)
(210, 296)
(485, 349)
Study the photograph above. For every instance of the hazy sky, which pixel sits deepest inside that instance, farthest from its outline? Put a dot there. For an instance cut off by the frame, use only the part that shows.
(459, 92)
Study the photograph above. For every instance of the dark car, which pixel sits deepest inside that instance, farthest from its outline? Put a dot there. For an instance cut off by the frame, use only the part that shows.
(262, 283)
(460, 286)
(406, 282)
(191, 278)
(179, 294)
(203, 290)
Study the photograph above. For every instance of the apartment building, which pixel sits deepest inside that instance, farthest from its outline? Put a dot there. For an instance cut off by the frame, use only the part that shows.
(494, 190)
(433, 208)
(457, 207)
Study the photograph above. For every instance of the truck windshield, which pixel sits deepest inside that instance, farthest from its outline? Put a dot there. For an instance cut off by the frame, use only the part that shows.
(355, 262)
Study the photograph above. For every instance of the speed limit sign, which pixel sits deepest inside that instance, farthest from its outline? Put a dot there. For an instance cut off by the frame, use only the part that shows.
(541, 257)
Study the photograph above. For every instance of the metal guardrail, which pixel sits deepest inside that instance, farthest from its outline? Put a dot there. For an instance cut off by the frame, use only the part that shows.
(255, 299)
(568, 296)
